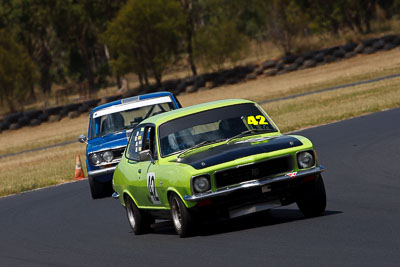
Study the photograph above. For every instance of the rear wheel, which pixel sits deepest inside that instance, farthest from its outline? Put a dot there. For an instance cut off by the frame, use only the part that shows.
(182, 219)
(311, 198)
(138, 220)
(98, 189)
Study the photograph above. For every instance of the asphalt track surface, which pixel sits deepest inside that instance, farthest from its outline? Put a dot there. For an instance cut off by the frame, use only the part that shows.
(63, 226)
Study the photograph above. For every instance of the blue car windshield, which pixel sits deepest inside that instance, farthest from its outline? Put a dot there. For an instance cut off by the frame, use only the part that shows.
(125, 119)
(212, 126)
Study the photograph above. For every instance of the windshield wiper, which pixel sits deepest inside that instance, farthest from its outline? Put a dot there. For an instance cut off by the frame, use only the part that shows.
(245, 133)
(119, 130)
(198, 145)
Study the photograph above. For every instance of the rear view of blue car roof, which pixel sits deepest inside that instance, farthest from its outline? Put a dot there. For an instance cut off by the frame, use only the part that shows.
(129, 99)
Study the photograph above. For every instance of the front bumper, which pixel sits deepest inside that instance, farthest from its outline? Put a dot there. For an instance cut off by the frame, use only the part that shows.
(101, 172)
(254, 184)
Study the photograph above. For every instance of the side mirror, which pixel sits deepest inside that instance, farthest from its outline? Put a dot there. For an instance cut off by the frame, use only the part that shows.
(145, 155)
(83, 139)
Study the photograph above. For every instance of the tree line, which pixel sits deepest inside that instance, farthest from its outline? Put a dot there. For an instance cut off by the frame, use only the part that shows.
(47, 42)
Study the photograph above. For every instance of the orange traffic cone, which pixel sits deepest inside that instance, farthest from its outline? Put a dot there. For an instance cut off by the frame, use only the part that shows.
(78, 169)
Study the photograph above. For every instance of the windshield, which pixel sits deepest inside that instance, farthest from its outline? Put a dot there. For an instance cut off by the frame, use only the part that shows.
(125, 119)
(212, 126)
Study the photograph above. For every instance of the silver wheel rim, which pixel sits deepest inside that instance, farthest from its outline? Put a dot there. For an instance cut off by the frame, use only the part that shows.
(131, 215)
(176, 214)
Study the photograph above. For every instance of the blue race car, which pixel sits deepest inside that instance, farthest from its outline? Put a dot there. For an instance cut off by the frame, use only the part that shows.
(110, 126)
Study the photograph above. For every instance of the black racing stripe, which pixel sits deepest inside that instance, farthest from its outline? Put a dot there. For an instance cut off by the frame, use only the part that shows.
(232, 151)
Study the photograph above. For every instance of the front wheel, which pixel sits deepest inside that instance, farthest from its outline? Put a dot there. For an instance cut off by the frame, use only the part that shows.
(182, 219)
(139, 221)
(311, 198)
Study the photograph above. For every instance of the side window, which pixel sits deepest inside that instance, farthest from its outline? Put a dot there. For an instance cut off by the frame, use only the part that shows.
(149, 140)
(135, 144)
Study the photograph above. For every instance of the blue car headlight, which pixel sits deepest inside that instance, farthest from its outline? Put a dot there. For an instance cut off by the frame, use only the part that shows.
(95, 158)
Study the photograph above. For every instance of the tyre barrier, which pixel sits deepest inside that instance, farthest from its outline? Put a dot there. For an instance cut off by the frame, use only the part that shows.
(35, 122)
(289, 59)
(339, 53)
(369, 50)
(267, 68)
(319, 57)
(309, 55)
(13, 117)
(14, 126)
(350, 54)
(23, 121)
(310, 63)
(300, 60)
(269, 64)
(349, 47)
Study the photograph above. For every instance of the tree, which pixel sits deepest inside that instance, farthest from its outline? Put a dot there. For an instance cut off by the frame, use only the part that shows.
(286, 23)
(78, 25)
(218, 43)
(146, 36)
(17, 72)
(217, 39)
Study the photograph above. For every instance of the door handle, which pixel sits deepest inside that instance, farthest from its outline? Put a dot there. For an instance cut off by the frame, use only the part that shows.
(139, 170)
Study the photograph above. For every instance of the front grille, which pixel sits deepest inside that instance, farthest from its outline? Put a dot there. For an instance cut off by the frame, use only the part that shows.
(254, 171)
(118, 153)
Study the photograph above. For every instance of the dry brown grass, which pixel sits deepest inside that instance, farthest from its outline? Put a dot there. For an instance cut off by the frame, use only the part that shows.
(45, 134)
(378, 64)
(38, 169)
(335, 105)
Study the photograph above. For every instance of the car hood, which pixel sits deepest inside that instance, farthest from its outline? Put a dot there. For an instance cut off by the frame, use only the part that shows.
(109, 141)
(234, 150)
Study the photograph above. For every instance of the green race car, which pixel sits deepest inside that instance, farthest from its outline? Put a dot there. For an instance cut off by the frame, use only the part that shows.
(220, 159)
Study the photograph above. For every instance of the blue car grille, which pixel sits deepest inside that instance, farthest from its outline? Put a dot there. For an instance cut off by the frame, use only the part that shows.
(254, 171)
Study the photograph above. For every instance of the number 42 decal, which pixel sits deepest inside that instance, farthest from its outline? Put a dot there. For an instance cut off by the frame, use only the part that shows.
(256, 120)
(151, 186)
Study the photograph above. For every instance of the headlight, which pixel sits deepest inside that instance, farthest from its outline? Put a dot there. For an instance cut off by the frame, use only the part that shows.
(108, 156)
(305, 159)
(201, 184)
(95, 159)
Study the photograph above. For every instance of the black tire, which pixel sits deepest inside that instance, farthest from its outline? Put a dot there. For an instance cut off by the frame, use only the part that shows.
(339, 53)
(269, 64)
(181, 218)
(359, 49)
(139, 221)
(309, 55)
(272, 72)
(350, 54)
(289, 59)
(369, 50)
(14, 126)
(310, 63)
(23, 121)
(349, 47)
(329, 59)
(369, 42)
(98, 189)
(379, 44)
(35, 122)
(388, 46)
(311, 198)
(292, 67)
(319, 57)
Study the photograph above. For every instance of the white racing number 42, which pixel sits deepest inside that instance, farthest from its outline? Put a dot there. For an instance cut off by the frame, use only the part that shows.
(151, 185)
